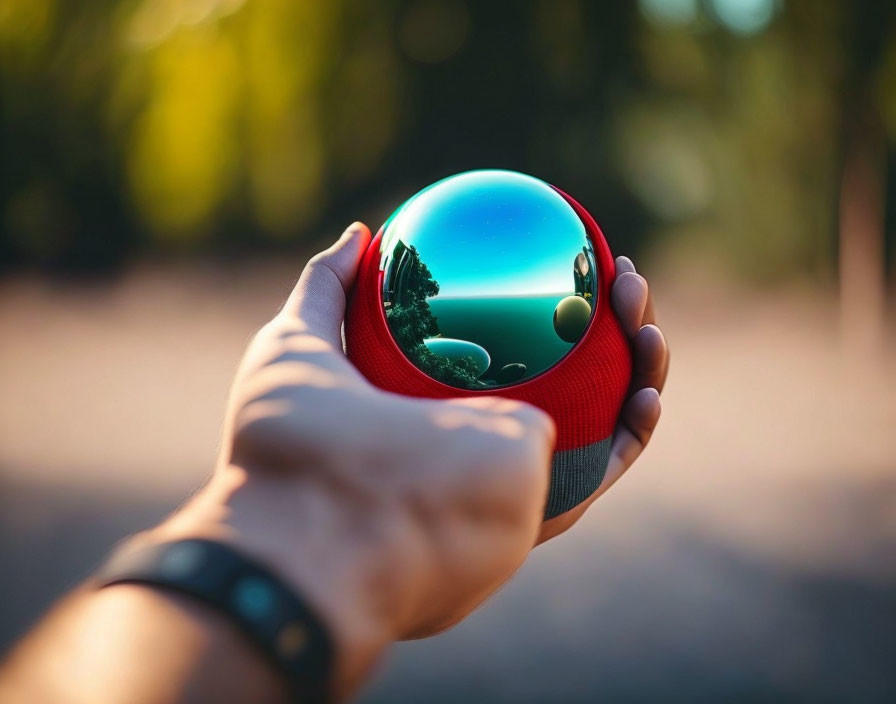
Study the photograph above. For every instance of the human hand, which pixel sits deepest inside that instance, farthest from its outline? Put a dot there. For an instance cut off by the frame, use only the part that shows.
(633, 305)
(393, 516)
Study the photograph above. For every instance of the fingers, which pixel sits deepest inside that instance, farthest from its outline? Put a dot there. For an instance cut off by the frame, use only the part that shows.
(319, 297)
(633, 303)
(649, 355)
(650, 366)
(625, 265)
(639, 417)
(531, 424)
(514, 437)
(641, 413)
(629, 298)
(539, 423)
(638, 420)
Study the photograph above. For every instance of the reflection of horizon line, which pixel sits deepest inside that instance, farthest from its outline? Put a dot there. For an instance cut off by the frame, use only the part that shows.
(550, 294)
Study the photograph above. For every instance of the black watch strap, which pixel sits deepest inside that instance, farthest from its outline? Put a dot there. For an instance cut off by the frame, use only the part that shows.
(274, 617)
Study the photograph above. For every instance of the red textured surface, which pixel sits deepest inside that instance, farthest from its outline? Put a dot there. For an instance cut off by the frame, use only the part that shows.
(583, 393)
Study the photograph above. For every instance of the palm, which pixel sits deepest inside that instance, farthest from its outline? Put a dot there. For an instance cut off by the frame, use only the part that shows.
(298, 401)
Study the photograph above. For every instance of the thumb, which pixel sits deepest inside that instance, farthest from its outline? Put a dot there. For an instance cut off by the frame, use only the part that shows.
(319, 298)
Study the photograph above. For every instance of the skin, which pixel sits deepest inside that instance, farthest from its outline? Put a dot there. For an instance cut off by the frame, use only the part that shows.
(393, 517)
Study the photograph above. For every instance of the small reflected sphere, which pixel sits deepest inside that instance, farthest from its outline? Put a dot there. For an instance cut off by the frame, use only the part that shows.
(571, 317)
(488, 278)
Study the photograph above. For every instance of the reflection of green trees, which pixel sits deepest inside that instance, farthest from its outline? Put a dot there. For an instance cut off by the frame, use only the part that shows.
(411, 320)
(454, 372)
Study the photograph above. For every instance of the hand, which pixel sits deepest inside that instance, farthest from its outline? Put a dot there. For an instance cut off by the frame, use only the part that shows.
(393, 516)
(633, 305)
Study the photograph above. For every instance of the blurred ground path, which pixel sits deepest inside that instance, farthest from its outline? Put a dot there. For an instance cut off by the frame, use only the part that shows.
(750, 555)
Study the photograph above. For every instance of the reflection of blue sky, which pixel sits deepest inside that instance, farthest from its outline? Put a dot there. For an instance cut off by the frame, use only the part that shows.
(492, 233)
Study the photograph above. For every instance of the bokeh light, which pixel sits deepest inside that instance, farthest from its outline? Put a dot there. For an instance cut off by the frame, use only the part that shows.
(670, 11)
(745, 16)
(432, 31)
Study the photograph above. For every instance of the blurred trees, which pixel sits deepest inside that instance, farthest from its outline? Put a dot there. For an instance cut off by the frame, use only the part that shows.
(139, 126)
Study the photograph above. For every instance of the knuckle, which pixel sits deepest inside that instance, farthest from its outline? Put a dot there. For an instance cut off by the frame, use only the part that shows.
(540, 425)
(322, 264)
(525, 461)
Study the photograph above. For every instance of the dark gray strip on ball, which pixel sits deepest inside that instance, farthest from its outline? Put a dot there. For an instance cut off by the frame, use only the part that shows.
(575, 474)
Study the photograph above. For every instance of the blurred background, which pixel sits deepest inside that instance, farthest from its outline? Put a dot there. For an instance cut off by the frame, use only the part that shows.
(167, 167)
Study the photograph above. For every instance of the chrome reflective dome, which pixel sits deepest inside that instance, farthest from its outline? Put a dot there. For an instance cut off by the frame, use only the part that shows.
(488, 278)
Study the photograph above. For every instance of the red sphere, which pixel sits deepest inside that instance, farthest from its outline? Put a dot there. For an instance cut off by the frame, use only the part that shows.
(583, 393)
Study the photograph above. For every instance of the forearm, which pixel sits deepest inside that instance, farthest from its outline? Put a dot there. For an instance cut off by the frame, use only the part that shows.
(388, 517)
(135, 644)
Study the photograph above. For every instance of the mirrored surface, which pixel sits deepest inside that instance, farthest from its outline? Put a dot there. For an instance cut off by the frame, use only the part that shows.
(488, 278)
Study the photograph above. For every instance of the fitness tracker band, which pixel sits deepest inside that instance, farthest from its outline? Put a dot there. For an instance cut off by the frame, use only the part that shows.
(257, 601)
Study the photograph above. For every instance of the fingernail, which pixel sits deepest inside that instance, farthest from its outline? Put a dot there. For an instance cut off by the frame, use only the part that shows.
(624, 259)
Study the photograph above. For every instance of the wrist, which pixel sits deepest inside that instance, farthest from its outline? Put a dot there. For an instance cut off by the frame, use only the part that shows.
(316, 545)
